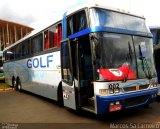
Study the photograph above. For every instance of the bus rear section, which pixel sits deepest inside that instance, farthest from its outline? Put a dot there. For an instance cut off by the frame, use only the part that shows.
(105, 66)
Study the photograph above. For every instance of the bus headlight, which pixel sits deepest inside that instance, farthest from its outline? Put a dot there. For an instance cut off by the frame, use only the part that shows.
(114, 91)
(111, 91)
(153, 85)
(117, 90)
(108, 91)
(103, 91)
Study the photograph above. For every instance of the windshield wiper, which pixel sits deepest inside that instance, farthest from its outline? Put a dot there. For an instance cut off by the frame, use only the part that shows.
(128, 59)
(144, 62)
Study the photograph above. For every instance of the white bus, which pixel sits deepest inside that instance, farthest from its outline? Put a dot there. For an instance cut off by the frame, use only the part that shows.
(96, 59)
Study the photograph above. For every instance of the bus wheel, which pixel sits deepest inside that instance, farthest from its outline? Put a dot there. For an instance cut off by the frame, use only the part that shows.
(60, 96)
(19, 88)
(13, 82)
(146, 106)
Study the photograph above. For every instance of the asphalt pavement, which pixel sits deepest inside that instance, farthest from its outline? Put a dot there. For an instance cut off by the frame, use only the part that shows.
(28, 109)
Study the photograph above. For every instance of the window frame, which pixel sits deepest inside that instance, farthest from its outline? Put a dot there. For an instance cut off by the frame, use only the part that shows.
(76, 15)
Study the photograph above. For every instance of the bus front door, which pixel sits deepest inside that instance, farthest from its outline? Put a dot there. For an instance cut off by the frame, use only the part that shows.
(68, 85)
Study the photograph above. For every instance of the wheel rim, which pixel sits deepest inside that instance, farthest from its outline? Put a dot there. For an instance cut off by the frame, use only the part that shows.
(19, 87)
(14, 83)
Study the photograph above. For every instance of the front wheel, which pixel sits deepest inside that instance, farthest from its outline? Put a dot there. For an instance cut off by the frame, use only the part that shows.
(60, 96)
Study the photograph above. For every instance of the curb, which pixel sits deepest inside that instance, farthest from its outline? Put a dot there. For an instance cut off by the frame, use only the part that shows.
(6, 89)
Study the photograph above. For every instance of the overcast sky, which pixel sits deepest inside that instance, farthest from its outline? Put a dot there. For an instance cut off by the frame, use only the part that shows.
(42, 13)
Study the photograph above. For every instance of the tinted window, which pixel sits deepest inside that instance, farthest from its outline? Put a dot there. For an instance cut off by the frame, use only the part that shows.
(66, 63)
(107, 18)
(37, 44)
(154, 33)
(18, 51)
(25, 48)
(9, 54)
(76, 22)
(52, 37)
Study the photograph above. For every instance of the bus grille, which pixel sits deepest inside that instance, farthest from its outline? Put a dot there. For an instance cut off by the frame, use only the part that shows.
(133, 88)
(136, 100)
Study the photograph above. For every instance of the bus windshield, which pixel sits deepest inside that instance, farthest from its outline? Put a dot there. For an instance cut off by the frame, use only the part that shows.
(144, 54)
(111, 19)
(118, 59)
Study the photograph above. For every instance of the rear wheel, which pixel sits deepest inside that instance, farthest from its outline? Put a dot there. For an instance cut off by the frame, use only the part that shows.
(18, 85)
(13, 83)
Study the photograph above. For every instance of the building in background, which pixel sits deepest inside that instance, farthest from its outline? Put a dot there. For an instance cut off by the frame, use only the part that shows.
(10, 32)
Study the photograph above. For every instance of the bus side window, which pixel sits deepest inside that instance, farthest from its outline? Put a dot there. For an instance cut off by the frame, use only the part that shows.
(70, 26)
(59, 34)
(82, 21)
(158, 37)
(37, 44)
(18, 51)
(52, 37)
(9, 54)
(76, 22)
(25, 48)
(12, 55)
(46, 40)
(66, 63)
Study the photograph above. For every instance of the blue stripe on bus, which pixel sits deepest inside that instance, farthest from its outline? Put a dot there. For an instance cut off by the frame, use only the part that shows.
(108, 29)
(103, 102)
(64, 29)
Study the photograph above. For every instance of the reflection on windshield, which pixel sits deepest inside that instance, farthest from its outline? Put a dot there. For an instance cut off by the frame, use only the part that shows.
(116, 58)
(144, 53)
(111, 19)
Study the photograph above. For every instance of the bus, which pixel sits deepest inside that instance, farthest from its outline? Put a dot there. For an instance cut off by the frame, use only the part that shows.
(155, 30)
(96, 58)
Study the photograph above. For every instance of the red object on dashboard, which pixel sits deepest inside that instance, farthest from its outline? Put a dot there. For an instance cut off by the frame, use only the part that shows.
(123, 72)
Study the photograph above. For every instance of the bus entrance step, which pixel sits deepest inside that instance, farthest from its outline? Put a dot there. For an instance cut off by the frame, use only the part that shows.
(89, 105)
(89, 108)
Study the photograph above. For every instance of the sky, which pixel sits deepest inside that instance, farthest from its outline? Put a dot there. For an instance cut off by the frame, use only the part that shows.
(42, 13)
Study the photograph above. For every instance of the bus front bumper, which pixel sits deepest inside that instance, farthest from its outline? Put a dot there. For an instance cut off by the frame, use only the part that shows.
(112, 103)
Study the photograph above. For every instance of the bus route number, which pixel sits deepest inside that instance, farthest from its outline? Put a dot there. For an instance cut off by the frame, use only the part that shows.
(113, 85)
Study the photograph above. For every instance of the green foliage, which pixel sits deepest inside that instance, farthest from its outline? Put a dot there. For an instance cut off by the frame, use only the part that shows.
(4, 85)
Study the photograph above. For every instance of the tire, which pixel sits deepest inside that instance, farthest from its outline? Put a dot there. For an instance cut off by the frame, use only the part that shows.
(13, 83)
(158, 98)
(18, 85)
(60, 96)
(147, 106)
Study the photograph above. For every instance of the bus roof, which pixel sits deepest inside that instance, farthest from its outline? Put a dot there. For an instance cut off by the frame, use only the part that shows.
(155, 27)
(90, 5)
(70, 11)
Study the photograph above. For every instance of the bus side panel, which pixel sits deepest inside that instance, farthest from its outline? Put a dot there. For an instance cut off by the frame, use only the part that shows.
(40, 74)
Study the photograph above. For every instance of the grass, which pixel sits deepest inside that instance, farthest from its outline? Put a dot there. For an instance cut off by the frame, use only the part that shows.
(4, 85)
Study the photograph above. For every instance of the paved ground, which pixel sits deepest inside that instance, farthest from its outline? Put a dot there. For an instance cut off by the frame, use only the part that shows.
(24, 107)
